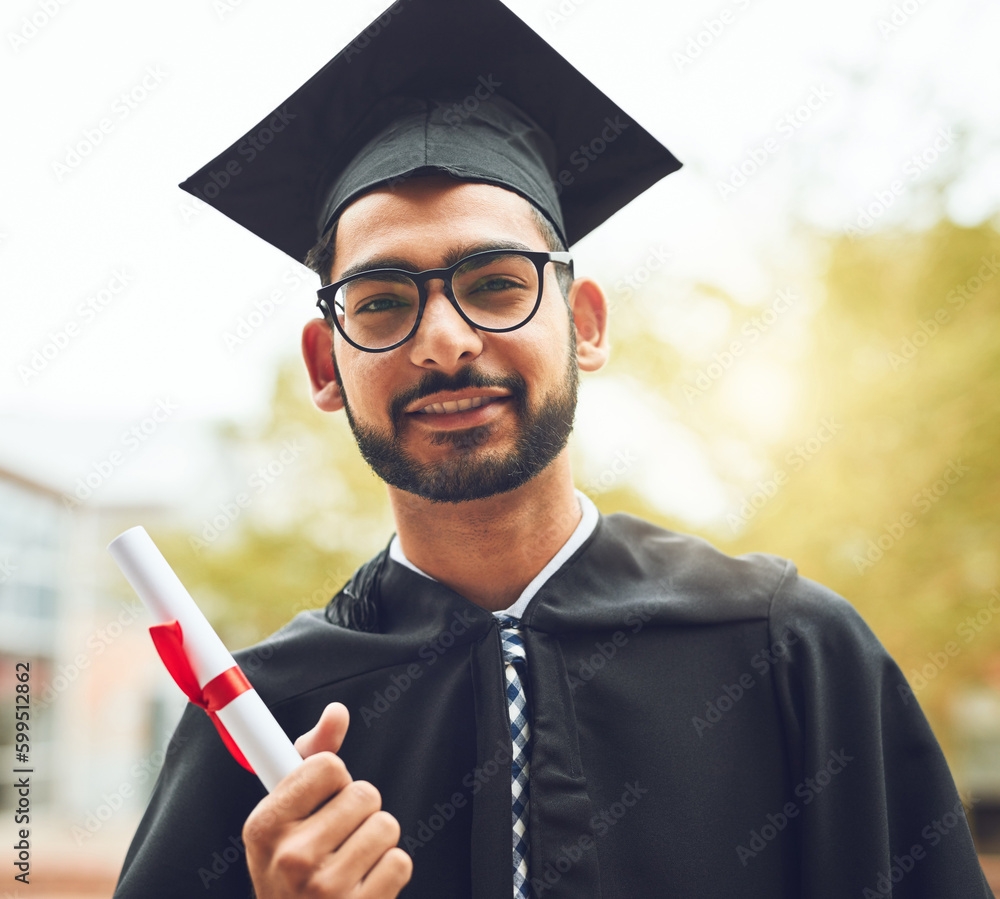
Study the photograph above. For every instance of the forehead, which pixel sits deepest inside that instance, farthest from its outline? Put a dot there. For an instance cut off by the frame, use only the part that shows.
(424, 222)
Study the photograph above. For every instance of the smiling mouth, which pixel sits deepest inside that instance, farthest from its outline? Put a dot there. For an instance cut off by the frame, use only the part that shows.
(457, 405)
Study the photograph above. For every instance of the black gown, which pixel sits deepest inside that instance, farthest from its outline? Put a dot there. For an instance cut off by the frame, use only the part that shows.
(702, 726)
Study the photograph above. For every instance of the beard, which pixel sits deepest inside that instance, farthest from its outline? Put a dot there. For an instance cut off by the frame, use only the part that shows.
(474, 472)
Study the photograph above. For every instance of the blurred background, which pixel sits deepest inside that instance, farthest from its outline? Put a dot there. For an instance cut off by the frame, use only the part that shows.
(806, 351)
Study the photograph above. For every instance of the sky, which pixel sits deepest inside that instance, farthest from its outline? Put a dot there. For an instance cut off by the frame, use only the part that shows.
(124, 301)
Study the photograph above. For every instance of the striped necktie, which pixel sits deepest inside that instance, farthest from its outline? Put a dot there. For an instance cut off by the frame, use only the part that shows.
(520, 735)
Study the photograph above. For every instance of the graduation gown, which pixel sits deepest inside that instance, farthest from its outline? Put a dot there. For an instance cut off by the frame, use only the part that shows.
(702, 726)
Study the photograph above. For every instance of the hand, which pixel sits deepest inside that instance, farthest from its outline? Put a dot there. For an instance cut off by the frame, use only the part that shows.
(320, 833)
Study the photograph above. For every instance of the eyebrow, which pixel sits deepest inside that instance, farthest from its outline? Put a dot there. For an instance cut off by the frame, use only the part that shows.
(455, 254)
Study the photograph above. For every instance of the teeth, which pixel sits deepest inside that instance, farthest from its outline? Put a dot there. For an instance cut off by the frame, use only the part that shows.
(455, 405)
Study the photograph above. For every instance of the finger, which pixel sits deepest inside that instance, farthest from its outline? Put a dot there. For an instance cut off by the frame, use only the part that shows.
(334, 823)
(309, 847)
(297, 795)
(328, 734)
(359, 854)
(391, 873)
(308, 852)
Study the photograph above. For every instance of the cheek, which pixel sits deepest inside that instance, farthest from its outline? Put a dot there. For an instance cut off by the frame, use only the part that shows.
(545, 339)
(362, 374)
(541, 361)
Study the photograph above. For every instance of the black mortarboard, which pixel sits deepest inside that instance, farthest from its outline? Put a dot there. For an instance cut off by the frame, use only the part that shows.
(458, 86)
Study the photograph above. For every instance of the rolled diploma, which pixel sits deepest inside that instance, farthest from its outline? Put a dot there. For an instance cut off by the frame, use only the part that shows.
(249, 722)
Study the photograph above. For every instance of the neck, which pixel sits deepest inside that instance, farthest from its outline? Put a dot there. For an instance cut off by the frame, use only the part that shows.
(489, 550)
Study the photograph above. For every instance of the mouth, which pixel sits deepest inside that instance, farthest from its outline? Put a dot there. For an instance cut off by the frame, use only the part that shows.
(452, 412)
(455, 402)
(451, 406)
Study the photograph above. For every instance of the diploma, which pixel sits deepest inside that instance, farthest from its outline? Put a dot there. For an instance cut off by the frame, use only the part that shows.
(200, 663)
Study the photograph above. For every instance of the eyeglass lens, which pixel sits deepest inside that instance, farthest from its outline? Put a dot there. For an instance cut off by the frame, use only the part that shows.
(495, 291)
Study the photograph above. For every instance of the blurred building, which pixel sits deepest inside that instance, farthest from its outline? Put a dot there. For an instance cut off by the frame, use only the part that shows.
(101, 706)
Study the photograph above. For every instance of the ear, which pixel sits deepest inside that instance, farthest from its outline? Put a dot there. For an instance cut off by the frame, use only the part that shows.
(590, 315)
(317, 351)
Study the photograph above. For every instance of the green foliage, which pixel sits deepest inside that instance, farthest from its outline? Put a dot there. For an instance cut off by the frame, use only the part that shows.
(909, 368)
(315, 515)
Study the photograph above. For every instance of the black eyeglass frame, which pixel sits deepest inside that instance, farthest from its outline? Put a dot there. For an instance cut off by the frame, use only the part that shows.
(538, 257)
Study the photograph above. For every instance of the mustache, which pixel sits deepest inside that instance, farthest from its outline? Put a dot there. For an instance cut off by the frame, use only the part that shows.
(436, 381)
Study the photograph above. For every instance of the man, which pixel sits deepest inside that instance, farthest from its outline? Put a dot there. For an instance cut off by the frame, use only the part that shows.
(544, 702)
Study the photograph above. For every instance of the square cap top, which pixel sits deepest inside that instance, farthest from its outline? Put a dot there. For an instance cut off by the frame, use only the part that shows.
(457, 86)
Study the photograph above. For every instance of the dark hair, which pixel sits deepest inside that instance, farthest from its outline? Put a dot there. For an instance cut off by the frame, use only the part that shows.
(553, 242)
(320, 257)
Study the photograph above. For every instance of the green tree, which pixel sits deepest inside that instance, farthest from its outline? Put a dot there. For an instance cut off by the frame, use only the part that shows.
(897, 510)
(317, 512)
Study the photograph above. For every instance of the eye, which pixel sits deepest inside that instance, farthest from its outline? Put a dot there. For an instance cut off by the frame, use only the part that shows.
(385, 294)
(495, 283)
(381, 304)
(500, 277)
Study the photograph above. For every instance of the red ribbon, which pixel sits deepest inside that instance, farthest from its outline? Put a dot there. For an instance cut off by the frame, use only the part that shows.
(216, 694)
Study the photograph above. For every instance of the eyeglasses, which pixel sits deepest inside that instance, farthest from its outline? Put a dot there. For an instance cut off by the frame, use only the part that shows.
(497, 290)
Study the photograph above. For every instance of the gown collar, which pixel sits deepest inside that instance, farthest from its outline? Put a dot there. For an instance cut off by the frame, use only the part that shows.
(582, 532)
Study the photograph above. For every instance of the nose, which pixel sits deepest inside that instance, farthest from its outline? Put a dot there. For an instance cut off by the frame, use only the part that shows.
(444, 340)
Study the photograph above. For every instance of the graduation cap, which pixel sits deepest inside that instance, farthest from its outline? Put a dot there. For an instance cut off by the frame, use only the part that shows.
(463, 87)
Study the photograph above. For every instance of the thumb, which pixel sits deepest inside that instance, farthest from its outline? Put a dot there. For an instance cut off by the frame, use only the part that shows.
(328, 733)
